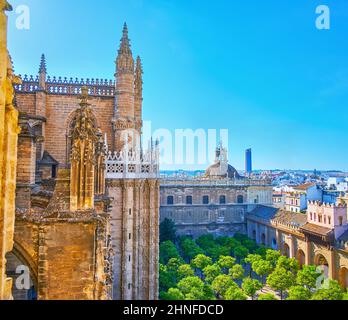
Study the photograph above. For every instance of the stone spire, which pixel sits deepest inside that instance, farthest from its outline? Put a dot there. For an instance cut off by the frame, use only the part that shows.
(42, 72)
(125, 62)
(125, 43)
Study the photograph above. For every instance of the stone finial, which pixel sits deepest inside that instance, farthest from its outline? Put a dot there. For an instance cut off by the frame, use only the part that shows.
(5, 6)
(42, 73)
(43, 68)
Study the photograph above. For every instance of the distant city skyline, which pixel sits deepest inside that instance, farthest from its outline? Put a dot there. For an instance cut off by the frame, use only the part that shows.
(261, 70)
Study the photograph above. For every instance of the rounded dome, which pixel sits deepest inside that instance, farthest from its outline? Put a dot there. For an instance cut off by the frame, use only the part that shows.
(214, 171)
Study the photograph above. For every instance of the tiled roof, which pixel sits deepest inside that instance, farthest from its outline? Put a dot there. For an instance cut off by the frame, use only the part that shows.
(264, 213)
(313, 228)
(278, 216)
(290, 218)
(304, 187)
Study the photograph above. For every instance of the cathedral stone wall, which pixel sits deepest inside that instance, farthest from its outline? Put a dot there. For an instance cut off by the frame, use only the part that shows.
(58, 111)
(60, 255)
(8, 153)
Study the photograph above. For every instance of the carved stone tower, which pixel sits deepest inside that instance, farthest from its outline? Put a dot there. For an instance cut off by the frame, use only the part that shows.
(133, 184)
(124, 122)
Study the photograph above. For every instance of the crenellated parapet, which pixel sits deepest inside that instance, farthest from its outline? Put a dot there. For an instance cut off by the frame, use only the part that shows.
(324, 205)
(133, 164)
(65, 86)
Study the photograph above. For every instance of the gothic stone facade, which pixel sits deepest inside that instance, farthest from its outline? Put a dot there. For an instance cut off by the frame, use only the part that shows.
(87, 197)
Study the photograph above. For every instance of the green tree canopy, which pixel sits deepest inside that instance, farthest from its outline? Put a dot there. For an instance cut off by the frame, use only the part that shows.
(201, 261)
(308, 277)
(173, 294)
(251, 245)
(208, 293)
(290, 264)
(174, 263)
(267, 296)
(241, 237)
(251, 258)
(216, 251)
(299, 293)
(280, 280)
(211, 272)
(237, 272)
(272, 256)
(206, 241)
(345, 296)
(167, 251)
(228, 242)
(221, 284)
(192, 288)
(167, 279)
(189, 248)
(332, 292)
(185, 271)
(235, 293)
(251, 286)
(262, 268)
(226, 262)
(167, 230)
(240, 252)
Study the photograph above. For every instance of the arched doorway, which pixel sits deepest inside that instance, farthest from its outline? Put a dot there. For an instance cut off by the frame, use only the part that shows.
(263, 239)
(286, 250)
(343, 277)
(274, 244)
(301, 258)
(322, 263)
(24, 285)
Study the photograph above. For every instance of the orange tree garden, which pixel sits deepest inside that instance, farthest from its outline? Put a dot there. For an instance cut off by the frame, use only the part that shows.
(235, 268)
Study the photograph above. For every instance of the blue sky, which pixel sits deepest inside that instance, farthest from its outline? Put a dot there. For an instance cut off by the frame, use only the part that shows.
(260, 69)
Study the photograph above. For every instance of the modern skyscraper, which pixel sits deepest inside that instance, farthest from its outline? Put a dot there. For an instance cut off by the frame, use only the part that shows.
(248, 161)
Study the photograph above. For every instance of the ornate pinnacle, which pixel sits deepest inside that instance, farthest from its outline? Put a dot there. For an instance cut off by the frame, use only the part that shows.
(5, 6)
(138, 78)
(139, 69)
(124, 61)
(125, 43)
(43, 64)
(84, 97)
